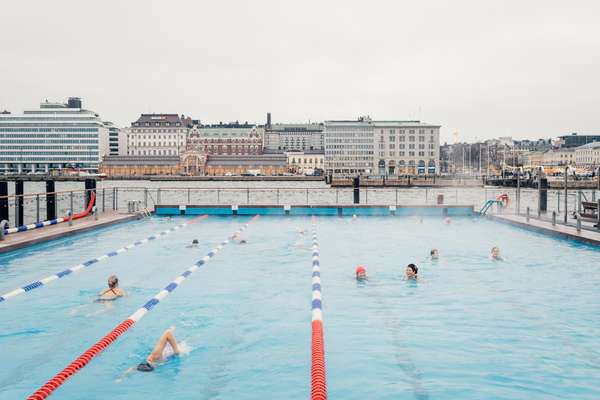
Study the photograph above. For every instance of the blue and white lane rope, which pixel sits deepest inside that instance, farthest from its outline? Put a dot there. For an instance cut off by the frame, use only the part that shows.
(318, 386)
(44, 281)
(37, 225)
(86, 357)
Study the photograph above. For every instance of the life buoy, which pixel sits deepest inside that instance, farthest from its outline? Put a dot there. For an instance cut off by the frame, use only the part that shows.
(504, 198)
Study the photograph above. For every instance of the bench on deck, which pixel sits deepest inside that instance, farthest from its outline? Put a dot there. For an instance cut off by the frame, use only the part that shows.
(589, 212)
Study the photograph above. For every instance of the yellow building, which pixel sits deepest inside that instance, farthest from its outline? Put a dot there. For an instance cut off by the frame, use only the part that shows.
(300, 162)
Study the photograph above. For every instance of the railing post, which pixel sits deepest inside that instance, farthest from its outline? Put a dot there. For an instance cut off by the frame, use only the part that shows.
(598, 214)
(146, 198)
(3, 225)
(277, 196)
(566, 193)
(553, 218)
(189, 202)
(579, 201)
(95, 210)
(558, 201)
(37, 207)
(578, 223)
(396, 196)
(117, 199)
(247, 195)
(307, 197)
(426, 194)
(527, 215)
(336, 195)
(70, 215)
(71, 206)
(103, 200)
(219, 196)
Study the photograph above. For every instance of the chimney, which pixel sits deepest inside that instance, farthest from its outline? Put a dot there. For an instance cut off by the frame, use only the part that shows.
(268, 120)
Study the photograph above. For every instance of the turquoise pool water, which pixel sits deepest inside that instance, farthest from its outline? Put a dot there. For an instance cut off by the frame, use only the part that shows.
(523, 328)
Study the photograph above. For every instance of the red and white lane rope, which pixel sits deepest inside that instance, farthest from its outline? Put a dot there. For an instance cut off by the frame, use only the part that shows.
(107, 340)
(318, 388)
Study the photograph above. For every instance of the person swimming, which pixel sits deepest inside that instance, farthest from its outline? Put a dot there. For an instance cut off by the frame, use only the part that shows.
(361, 273)
(165, 348)
(195, 243)
(243, 241)
(435, 254)
(447, 220)
(411, 272)
(495, 253)
(113, 291)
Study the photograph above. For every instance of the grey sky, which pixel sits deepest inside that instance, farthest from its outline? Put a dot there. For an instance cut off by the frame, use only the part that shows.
(480, 68)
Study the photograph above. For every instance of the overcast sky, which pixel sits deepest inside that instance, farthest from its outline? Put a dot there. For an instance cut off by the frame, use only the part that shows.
(481, 69)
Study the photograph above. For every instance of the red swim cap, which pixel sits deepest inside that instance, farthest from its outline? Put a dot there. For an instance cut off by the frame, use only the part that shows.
(360, 269)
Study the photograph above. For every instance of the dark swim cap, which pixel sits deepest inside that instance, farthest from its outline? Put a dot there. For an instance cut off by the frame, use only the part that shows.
(414, 268)
(195, 241)
(145, 367)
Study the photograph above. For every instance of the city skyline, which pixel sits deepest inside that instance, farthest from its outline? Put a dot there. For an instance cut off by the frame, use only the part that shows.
(482, 70)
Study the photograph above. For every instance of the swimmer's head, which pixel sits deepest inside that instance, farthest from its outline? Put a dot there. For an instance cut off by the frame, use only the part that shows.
(195, 241)
(361, 272)
(434, 254)
(411, 271)
(495, 253)
(448, 220)
(145, 367)
(113, 281)
(243, 241)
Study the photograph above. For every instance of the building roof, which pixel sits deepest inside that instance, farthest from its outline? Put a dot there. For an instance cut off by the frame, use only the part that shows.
(296, 127)
(589, 146)
(384, 123)
(221, 132)
(140, 160)
(161, 119)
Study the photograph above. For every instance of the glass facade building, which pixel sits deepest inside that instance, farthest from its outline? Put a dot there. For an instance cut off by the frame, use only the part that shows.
(54, 136)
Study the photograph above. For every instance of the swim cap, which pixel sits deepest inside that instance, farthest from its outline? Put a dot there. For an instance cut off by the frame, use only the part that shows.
(195, 241)
(145, 367)
(360, 269)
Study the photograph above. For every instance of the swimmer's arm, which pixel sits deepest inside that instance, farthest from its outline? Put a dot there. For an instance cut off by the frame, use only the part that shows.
(103, 292)
(129, 371)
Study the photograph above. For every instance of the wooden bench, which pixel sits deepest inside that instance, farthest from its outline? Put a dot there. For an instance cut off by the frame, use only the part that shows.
(590, 211)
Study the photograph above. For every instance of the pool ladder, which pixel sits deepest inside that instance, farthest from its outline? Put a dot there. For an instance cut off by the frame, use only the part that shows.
(488, 204)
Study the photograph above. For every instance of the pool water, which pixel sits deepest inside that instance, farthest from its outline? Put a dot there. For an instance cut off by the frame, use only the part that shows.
(523, 328)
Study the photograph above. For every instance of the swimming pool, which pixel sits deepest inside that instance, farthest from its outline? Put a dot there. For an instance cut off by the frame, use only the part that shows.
(472, 328)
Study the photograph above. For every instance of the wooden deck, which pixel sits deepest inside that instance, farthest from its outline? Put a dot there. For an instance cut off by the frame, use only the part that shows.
(28, 238)
(570, 232)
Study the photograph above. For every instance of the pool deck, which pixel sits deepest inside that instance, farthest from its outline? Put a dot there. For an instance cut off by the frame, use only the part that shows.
(546, 227)
(23, 239)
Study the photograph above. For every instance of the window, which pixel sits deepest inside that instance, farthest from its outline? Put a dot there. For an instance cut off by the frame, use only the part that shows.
(411, 138)
(392, 138)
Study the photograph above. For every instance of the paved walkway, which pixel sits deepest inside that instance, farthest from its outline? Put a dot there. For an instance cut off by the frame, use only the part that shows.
(570, 232)
(27, 238)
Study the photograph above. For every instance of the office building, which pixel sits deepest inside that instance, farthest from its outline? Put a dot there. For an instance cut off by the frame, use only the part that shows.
(54, 136)
(576, 140)
(280, 138)
(157, 135)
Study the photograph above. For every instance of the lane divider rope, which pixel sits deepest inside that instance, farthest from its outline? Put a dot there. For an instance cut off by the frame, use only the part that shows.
(44, 281)
(107, 340)
(55, 221)
(318, 389)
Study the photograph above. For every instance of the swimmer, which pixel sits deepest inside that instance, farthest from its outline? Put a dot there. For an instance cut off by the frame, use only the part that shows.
(361, 273)
(301, 231)
(495, 253)
(447, 220)
(165, 348)
(411, 271)
(435, 254)
(113, 292)
(194, 244)
(354, 217)
(243, 241)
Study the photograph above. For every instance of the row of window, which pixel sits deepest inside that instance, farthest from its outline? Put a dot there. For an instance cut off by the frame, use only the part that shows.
(48, 129)
(402, 153)
(49, 147)
(50, 153)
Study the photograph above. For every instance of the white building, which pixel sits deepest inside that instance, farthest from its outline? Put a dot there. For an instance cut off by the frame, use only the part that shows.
(381, 147)
(55, 136)
(280, 138)
(157, 135)
(559, 157)
(406, 147)
(588, 155)
(349, 147)
(301, 162)
(117, 139)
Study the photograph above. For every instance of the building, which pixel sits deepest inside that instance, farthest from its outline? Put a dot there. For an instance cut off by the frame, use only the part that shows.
(533, 159)
(588, 155)
(140, 165)
(54, 136)
(157, 135)
(117, 139)
(226, 139)
(388, 148)
(301, 162)
(265, 164)
(559, 157)
(280, 138)
(575, 140)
